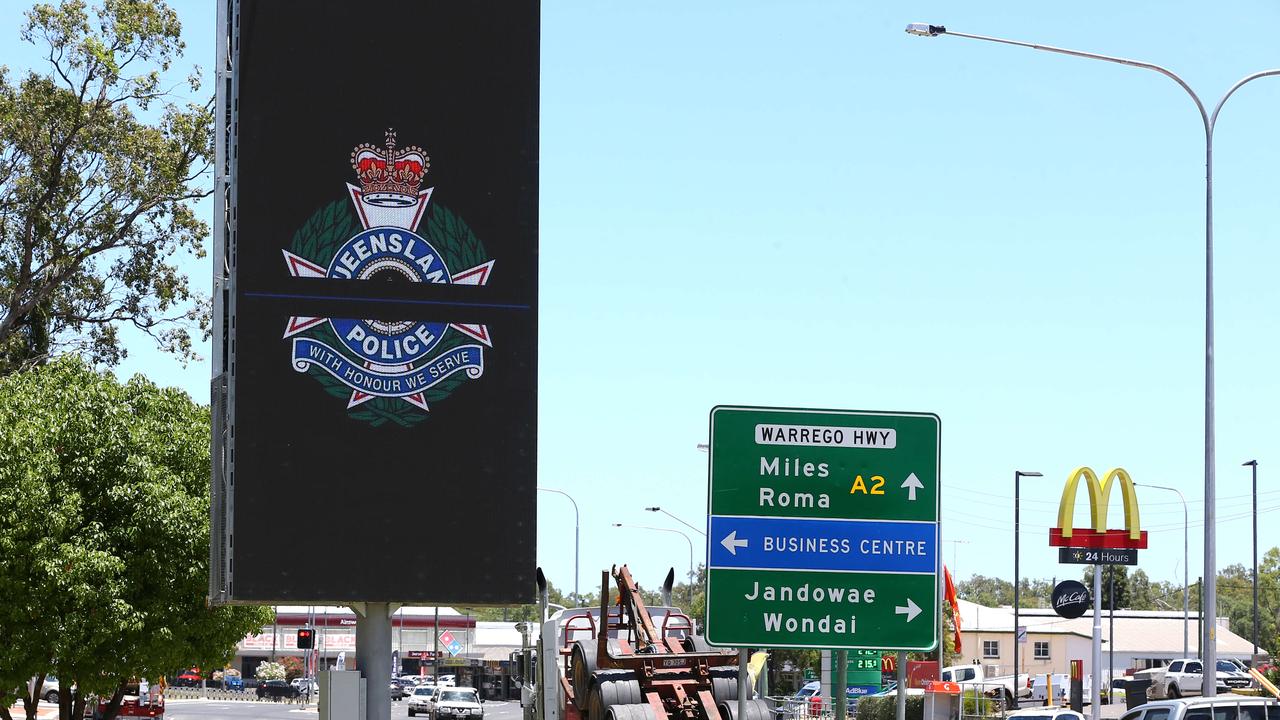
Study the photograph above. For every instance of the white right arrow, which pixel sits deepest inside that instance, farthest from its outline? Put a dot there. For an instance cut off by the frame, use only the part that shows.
(911, 610)
(732, 543)
(912, 483)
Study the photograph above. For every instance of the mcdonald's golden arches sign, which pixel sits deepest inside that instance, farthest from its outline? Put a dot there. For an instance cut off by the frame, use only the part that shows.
(1097, 535)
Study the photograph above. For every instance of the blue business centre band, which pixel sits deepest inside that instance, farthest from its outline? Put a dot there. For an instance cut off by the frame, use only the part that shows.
(816, 544)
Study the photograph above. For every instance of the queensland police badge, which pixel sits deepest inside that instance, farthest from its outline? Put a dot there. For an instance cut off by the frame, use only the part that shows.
(388, 370)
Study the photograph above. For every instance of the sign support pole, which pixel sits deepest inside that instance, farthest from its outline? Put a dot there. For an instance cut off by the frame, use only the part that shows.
(744, 687)
(839, 686)
(373, 647)
(901, 711)
(1095, 690)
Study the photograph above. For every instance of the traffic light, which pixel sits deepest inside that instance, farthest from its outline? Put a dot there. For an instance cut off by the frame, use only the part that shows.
(306, 638)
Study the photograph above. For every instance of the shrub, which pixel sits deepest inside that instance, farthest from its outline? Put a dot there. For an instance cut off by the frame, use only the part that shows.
(886, 708)
(268, 670)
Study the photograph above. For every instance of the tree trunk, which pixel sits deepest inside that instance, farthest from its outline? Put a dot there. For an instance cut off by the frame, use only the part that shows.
(64, 703)
(4, 707)
(77, 707)
(113, 706)
(31, 701)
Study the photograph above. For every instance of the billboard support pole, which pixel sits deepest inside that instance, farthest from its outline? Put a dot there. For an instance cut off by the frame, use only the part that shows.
(373, 647)
(1095, 689)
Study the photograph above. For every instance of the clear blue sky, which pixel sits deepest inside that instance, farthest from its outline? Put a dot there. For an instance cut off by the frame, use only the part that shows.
(798, 204)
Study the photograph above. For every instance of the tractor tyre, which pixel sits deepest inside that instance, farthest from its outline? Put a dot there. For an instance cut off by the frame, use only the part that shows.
(724, 689)
(582, 665)
(756, 710)
(636, 711)
(697, 643)
(612, 687)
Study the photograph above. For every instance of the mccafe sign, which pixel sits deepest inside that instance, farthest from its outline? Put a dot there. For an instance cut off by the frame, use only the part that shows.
(1071, 599)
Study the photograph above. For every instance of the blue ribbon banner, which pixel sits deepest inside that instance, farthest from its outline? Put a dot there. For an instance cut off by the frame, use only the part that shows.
(308, 352)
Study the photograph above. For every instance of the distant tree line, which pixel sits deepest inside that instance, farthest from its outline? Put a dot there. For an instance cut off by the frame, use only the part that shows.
(1134, 590)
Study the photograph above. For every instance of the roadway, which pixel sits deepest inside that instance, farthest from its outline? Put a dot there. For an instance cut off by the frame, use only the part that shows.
(206, 709)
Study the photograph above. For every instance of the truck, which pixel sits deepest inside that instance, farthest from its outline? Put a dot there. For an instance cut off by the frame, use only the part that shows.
(1184, 677)
(624, 660)
(985, 680)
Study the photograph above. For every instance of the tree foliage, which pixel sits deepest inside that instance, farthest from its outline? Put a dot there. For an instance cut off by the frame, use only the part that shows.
(104, 534)
(99, 169)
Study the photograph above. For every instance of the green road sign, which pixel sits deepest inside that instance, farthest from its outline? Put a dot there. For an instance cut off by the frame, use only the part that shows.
(823, 529)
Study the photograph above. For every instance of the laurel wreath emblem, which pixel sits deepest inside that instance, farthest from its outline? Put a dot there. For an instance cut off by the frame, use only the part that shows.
(319, 239)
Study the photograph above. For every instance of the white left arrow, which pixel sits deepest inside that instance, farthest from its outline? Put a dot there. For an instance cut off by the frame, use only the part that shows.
(732, 543)
(912, 483)
(911, 610)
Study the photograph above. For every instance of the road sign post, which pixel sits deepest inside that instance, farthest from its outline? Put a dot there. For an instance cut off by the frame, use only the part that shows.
(823, 529)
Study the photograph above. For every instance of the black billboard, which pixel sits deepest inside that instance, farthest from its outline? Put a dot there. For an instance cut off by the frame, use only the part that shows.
(381, 326)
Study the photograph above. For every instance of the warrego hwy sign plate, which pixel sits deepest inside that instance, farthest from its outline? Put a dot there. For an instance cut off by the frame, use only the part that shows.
(823, 529)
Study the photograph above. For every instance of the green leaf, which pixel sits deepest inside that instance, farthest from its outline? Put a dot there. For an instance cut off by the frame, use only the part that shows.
(320, 237)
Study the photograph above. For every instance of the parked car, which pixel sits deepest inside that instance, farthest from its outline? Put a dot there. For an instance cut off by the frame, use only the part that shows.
(1045, 713)
(397, 690)
(50, 689)
(1222, 707)
(277, 689)
(188, 678)
(455, 703)
(305, 684)
(984, 679)
(891, 689)
(1184, 677)
(232, 681)
(422, 700)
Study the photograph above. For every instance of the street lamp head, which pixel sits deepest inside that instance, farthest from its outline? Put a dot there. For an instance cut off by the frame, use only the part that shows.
(653, 509)
(925, 29)
(617, 524)
(1251, 462)
(1022, 473)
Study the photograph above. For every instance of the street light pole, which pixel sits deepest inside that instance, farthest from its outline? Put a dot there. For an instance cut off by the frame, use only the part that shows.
(673, 517)
(1209, 687)
(1254, 465)
(1186, 594)
(577, 599)
(689, 587)
(1017, 582)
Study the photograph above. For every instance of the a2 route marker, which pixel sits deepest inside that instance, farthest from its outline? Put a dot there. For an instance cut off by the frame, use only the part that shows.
(823, 529)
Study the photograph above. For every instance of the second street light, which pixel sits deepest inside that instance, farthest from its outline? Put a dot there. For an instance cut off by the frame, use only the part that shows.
(577, 599)
(1017, 582)
(673, 517)
(1186, 602)
(689, 587)
(1208, 688)
(1254, 464)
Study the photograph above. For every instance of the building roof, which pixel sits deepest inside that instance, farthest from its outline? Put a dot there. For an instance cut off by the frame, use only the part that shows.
(1138, 632)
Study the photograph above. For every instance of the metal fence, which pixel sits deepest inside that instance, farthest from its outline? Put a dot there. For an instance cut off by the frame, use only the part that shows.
(189, 693)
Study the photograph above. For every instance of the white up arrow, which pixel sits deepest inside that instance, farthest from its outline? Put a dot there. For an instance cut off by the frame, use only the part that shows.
(912, 483)
(732, 543)
(911, 610)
